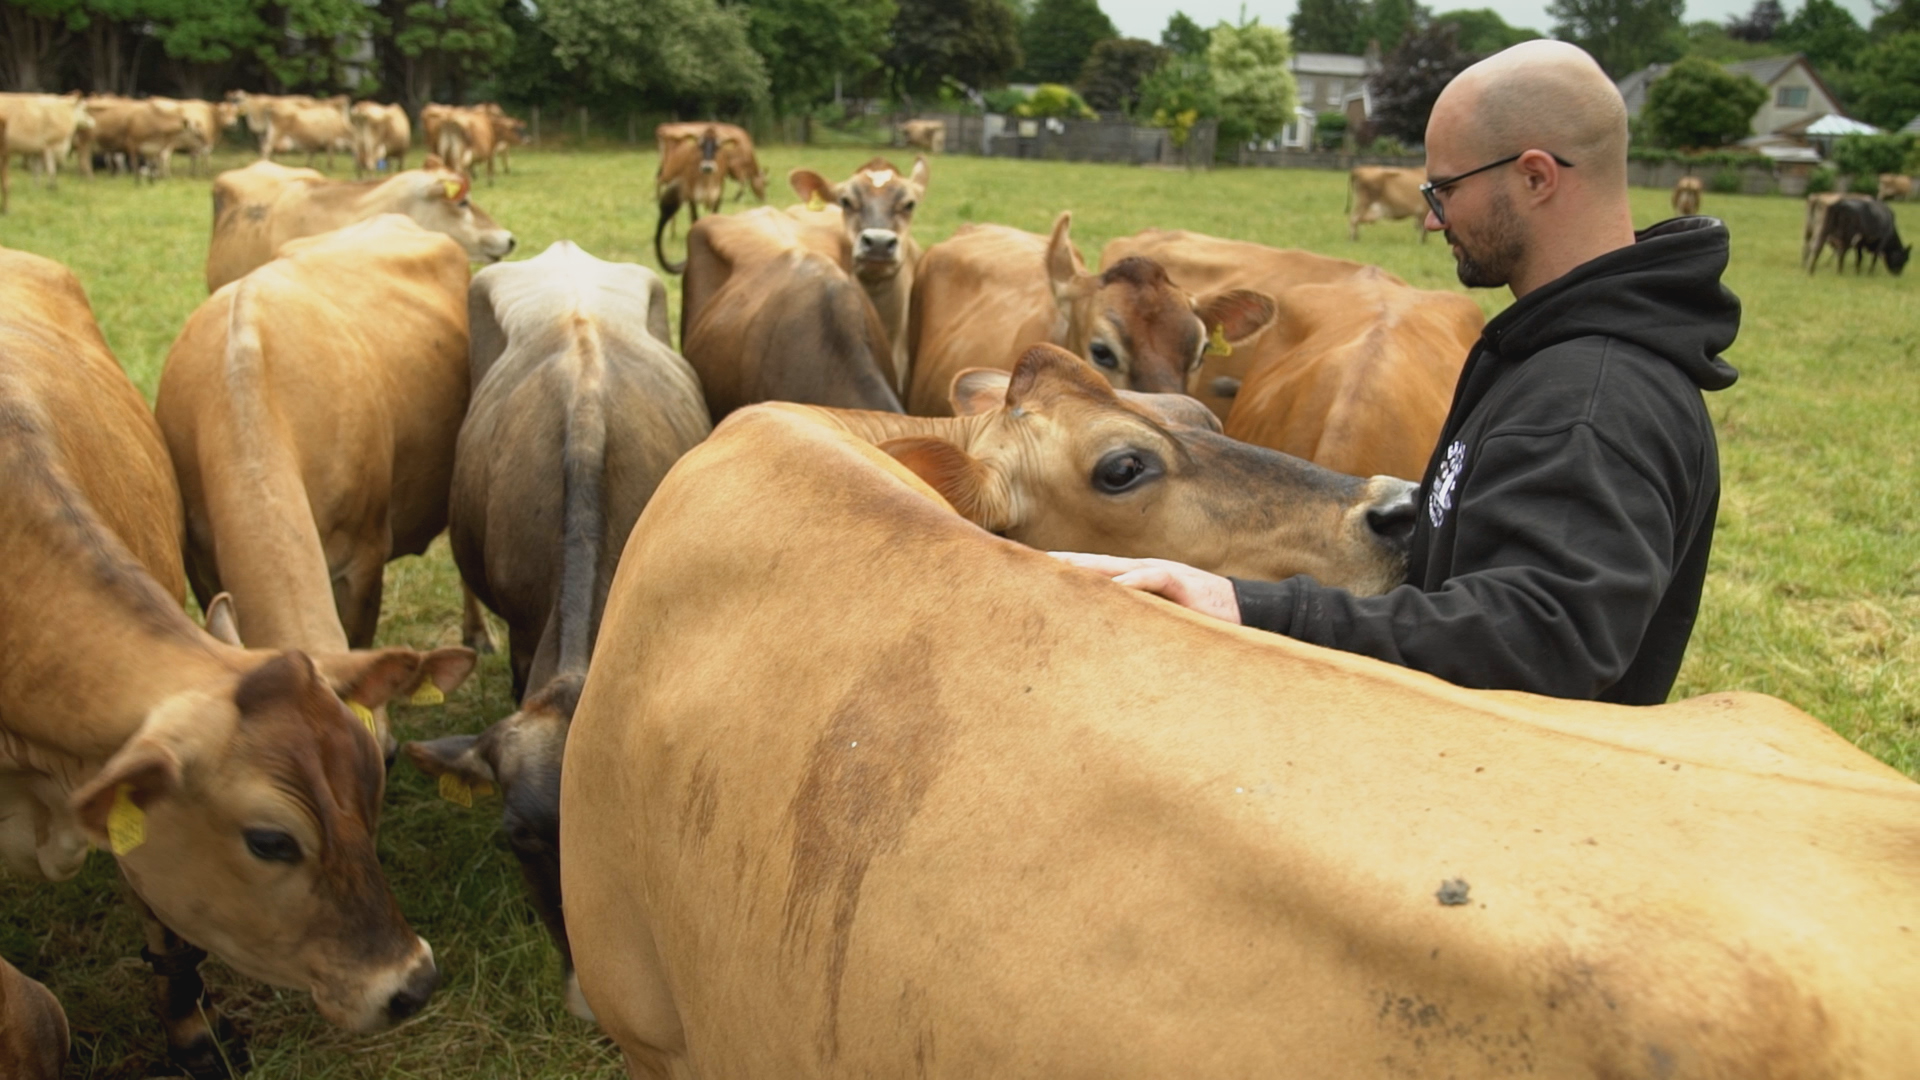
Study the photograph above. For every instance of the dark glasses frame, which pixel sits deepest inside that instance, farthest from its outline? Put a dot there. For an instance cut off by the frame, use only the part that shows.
(1431, 189)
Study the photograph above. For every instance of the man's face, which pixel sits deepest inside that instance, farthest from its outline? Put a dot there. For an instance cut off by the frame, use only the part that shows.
(1489, 242)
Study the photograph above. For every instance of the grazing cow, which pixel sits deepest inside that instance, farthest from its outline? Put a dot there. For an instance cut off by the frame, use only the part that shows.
(876, 209)
(260, 207)
(692, 173)
(989, 291)
(1817, 207)
(236, 790)
(464, 136)
(1378, 193)
(141, 136)
(1864, 227)
(311, 126)
(509, 132)
(1895, 186)
(1005, 810)
(308, 458)
(44, 124)
(580, 406)
(1686, 195)
(928, 135)
(257, 110)
(380, 134)
(769, 313)
(736, 153)
(33, 1029)
(213, 118)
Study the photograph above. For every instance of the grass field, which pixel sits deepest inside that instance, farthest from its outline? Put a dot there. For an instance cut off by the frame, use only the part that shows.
(1813, 595)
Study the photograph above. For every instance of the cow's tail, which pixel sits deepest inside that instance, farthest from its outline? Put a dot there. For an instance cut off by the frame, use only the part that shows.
(669, 206)
(583, 504)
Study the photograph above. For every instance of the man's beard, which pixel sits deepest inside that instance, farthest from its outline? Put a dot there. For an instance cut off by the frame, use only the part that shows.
(1501, 247)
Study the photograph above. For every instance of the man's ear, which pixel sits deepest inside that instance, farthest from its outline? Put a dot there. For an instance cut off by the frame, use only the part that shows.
(1064, 265)
(961, 479)
(978, 390)
(1238, 314)
(222, 623)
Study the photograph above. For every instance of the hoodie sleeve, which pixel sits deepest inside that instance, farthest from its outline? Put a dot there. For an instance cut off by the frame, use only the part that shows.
(1562, 551)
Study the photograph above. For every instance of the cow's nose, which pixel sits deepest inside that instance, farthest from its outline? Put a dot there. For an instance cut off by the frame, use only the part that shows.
(412, 997)
(1391, 518)
(511, 241)
(879, 244)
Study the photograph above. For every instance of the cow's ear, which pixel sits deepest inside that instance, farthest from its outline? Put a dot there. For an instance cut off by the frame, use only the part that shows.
(920, 172)
(1045, 372)
(441, 673)
(960, 478)
(370, 677)
(222, 623)
(434, 164)
(150, 766)
(1064, 265)
(461, 756)
(810, 185)
(978, 390)
(1238, 314)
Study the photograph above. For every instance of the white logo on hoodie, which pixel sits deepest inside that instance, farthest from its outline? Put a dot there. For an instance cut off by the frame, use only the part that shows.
(1440, 499)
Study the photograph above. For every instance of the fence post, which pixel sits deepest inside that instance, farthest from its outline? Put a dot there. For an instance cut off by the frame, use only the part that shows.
(536, 125)
(583, 127)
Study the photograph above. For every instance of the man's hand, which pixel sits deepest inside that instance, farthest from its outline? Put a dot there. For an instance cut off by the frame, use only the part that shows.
(1208, 594)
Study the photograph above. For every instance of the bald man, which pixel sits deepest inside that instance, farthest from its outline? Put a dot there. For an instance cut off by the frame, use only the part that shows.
(1569, 505)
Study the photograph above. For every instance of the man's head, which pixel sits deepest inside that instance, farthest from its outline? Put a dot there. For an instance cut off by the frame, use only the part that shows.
(1557, 197)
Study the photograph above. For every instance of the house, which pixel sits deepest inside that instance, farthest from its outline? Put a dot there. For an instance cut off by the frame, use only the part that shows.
(1796, 96)
(1328, 82)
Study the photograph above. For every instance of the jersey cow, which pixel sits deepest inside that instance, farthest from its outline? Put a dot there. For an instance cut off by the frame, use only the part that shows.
(1686, 195)
(141, 136)
(692, 172)
(309, 457)
(769, 314)
(44, 125)
(33, 1029)
(736, 156)
(381, 134)
(580, 406)
(260, 207)
(989, 291)
(1379, 193)
(875, 209)
(1006, 809)
(235, 789)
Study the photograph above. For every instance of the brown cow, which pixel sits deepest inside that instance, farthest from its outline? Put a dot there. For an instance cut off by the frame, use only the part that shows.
(260, 207)
(1376, 193)
(237, 792)
(736, 153)
(33, 1029)
(691, 173)
(997, 810)
(1686, 195)
(381, 133)
(309, 126)
(44, 124)
(928, 135)
(579, 407)
(310, 456)
(769, 314)
(257, 110)
(466, 136)
(1817, 207)
(509, 132)
(1895, 186)
(876, 209)
(141, 136)
(989, 291)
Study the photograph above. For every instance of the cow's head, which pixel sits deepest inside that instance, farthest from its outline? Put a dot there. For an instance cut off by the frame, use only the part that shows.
(1897, 256)
(520, 756)
(245, 819)
(1064, 463)
(227, 114)
(437, 199)
(1139, 329)
(876, 209)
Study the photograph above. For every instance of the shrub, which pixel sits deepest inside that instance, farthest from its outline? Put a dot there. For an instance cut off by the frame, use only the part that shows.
(1004, 100)
(1725, 182)
(1870, 155)
(1330, 130)
(1699, 103)
(1054, 100)
(1864, 184)
(1820, 180)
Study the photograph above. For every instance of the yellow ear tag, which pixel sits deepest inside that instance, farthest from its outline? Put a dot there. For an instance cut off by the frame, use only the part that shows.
(815, 202)
(126, 822)
(1217, 343)
(453, 189)
(427, 694)
(366, 716)
(455, 790)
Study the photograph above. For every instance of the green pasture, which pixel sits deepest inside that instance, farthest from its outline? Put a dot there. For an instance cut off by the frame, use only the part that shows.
(1814, 593)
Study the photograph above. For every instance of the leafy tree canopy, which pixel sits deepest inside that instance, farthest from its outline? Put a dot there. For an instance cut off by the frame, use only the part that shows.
(1887, 81)
(1711, 40)
(1250, 76)
(662, 49)
(1699, 104)
(1482, 32)
(1113, 72)
(806, 43)
(1335, 26)
(1895, 17)
(1184, 36)
(1826, 32)
(1758, 24)
(1411, 78)
(1390, 21)
(973, 41)
(1060, 35)
(1623, 35)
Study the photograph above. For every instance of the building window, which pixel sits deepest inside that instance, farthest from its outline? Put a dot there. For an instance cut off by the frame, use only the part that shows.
(1333, 91)
(1306, 91)
(1791, 97)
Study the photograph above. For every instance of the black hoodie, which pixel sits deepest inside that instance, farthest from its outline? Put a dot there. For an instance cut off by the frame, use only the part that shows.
(1568, 508)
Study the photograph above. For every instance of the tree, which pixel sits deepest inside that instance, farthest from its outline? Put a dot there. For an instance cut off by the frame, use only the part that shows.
(1054, 100)
(1184, 36)
(1335, 26)
(1888, 81)
(309, 43)
(1060, 35)
(1698, 103)
(1710, 39)
(448, 43)
(666, 50)
(1250, 77)
(808, 43)
(1895, 17)
(1390, 21)
(1870, 155)
(1113, 73)
(972, 41)
(1826, 33)
(34, 32)
(1482, 32)
(1759, 24)
(1411, 78)
(1623, 35)
(200, 36)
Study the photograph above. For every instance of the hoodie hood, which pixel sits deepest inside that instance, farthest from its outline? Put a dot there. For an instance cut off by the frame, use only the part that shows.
(1662, 294)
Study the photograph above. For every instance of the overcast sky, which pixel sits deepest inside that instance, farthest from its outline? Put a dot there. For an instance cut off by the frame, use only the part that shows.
(1146, 18)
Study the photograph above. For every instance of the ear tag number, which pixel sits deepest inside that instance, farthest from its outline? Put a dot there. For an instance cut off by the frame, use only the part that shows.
(126, 822)
(815, 202)
(366, 716)
(427, 694)
(1217, 343)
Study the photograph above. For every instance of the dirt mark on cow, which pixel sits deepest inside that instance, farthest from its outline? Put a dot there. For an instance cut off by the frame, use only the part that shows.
(865, 778)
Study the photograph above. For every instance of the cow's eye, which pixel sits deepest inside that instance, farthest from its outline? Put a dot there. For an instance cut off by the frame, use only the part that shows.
(464, 203)
(1124, 470)
(1103, 355)
(846, 203)
(272, 845)
(907, 207)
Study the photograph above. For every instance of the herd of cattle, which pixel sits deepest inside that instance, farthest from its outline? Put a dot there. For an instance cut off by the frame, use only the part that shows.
(856, 780)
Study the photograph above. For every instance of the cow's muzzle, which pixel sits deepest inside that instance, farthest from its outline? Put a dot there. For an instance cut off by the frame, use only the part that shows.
(877, 246)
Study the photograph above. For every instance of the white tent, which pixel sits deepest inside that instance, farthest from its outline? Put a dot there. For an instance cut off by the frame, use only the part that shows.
(1834, 125)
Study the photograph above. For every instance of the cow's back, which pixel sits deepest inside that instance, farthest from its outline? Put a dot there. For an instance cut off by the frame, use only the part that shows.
(37, 122)
(33, 1028)
(1007, 809)
(979, 298)
(246, 205)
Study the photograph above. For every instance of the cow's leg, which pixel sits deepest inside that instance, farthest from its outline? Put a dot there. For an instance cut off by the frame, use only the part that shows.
(475, 634)
(1353, 229)
(356, 594)
(51, 166)
(199, 1040)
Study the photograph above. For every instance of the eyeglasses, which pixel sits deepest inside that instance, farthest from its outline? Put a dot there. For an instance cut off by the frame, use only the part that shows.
(1431, 189)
